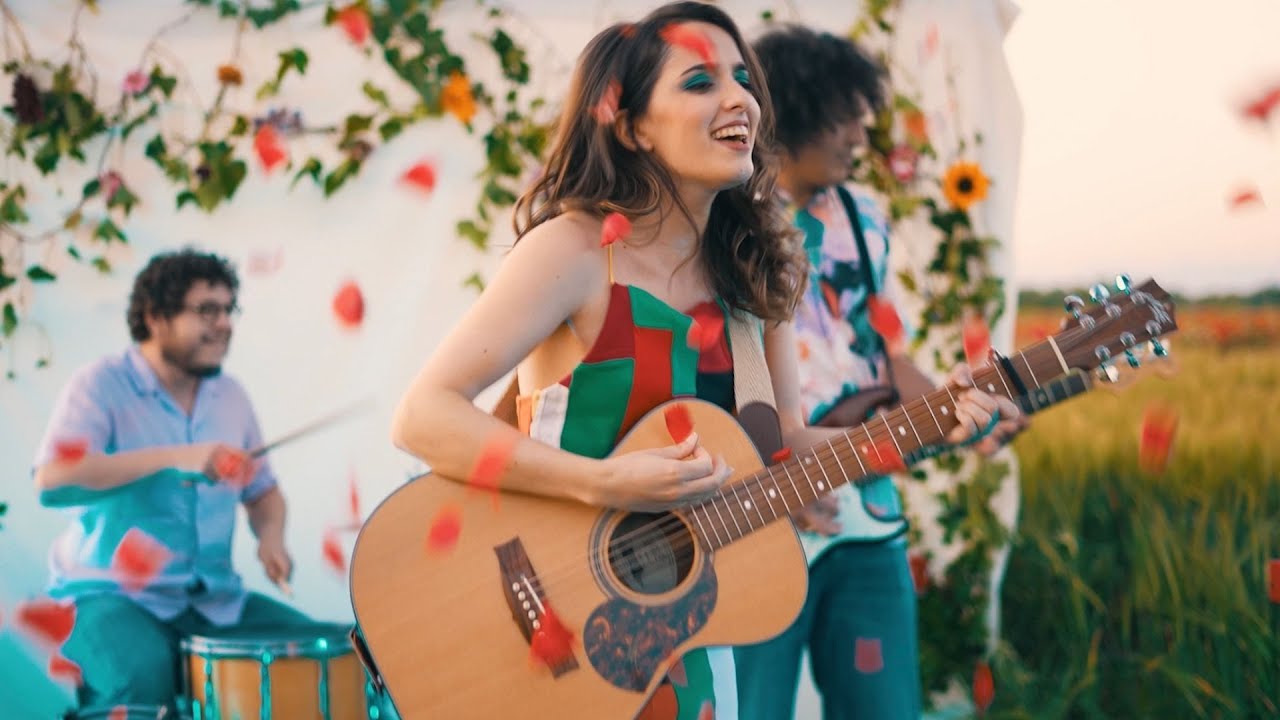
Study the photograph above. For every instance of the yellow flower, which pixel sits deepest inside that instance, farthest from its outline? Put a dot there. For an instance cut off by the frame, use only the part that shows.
(456, 98)
(964, 184)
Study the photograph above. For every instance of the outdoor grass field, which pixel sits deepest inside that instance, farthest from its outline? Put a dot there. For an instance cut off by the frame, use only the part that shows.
(1133, 594)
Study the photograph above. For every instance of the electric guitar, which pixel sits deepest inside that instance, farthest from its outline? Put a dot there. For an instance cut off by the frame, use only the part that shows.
(449, 634)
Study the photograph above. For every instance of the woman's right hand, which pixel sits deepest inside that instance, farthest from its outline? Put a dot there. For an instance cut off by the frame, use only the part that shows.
(662, 478)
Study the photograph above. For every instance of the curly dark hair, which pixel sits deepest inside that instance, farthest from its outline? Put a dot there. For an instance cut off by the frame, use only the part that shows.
(747, 247)
(817, 80)
(163, 284)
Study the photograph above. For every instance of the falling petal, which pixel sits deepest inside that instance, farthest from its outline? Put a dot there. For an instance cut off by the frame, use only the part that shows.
(1245, 198)
(48, 621)
(331, 550)
(984, 687)
(353, 499)
(615, 227)
(354, 22)
(868, 657)
(885, 321)
(919, 571)
(884, 458)
(1262, 108)
(492, 464)
(691, 39)
(348, 305)
(138, 559)
(781, 455)
(977, 340)
(421, 175)
(268, 147)
(707, 711)
(679, 421)
(705, 335)
(233, 467)
(262, 262)
(1273, 580)
(1159, 425)
(445, 528)
(119, 712)
(61, 668)
(606, 109)
(552, 642)
(70, 450)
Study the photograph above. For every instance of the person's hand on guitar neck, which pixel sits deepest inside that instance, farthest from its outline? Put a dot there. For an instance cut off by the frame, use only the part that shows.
(662, 478)
(819, 516)
(975, 410)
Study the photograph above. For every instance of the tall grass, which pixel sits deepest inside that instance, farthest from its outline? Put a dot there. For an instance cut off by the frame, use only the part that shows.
(1132, 595)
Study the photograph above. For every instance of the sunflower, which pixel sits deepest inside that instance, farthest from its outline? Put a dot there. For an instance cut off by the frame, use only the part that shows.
(964, 184)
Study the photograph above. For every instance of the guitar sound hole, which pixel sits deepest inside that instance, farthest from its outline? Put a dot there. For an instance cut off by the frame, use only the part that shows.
(651, 553)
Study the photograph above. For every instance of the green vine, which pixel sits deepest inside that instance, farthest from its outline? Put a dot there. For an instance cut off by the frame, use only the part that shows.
(56, 122)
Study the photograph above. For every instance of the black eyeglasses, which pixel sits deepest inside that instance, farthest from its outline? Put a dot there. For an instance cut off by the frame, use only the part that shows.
(211, 311)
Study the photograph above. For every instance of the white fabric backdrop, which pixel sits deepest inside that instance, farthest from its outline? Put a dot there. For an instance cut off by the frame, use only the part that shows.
(294, 360)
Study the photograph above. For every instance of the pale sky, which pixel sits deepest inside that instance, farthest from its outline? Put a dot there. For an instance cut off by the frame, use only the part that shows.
(1133, 142)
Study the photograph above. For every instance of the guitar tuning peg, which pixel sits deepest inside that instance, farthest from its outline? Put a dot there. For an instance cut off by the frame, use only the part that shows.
(1074, 305)
(1158, 348)
(1099, 294)
(1129, 341)
(1108, 373)
(1124, 284)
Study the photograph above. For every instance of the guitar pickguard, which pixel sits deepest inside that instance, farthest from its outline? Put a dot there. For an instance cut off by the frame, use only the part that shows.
(627, 643)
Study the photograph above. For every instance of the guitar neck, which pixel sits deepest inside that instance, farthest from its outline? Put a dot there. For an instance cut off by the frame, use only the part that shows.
(877, 447)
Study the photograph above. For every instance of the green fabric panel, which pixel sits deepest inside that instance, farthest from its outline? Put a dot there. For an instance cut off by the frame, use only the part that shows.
(650, 312)
(701, 687)
(598, 394)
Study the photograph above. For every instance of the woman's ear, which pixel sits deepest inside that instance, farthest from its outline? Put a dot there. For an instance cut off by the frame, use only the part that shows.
(629, 133)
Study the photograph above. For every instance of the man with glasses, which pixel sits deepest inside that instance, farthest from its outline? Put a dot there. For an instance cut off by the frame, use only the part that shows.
(146, 451)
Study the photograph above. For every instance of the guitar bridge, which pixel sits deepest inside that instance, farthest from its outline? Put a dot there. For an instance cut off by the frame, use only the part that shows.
(526, 598)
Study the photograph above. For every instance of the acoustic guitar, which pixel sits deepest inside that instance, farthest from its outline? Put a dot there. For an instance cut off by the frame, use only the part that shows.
(449, 634)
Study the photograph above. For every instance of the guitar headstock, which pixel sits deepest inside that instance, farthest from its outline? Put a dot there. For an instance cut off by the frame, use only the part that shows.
(1129, 325)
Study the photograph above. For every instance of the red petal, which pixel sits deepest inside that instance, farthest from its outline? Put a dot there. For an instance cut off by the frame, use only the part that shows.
(552, 642)
(119, 712)
(1273, 580)
(782, 454)
(268, 147)
(264, 263)
(679, 422)
(233, 467)
(70, 450)
(884, 458)
(919, 572)
(984, 687)
(616, 227)
(48, 621)
(353, 499)
(1159, 425)
(492, 464)
(977, 341)
(1245, 197)
(885, 321)
(348, 305)
(421, 175)
(606, 109)
(62, 668)
(868, 657)
(1262, 108)
(354, 22)
(707, 711)
(704, 335)
(692, 39)
(334, 556)
(138, 559)
(677, 673)
(445, 528)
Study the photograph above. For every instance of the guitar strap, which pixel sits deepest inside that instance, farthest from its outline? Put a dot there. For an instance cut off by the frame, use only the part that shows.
(868, 272)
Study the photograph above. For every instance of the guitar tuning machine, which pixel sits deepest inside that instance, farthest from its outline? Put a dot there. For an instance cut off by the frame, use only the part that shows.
(1128, 340)
(1101, 295)
(1157, 347)
(1075, 308)
(1124, 284)
(1107, 371)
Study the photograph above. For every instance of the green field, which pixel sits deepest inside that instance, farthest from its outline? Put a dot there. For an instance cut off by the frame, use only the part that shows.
(1144, 595)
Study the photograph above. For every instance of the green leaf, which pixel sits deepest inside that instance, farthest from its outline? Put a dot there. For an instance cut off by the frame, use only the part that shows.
(184, 197)
(475, 281)
(156, 150)
(340, 175)
(91, 188)
(166, 83)
(11, 210)
(356, 124)
(37, 273)
(293, 58)
(498, 195)
(908, 280)
(101, 264)
(10, 321)
(240, 126)
(6, 280)
(390, 129)
(375, 94)
(312, 167)
(107, 232)
(512, 57)
(473, 233)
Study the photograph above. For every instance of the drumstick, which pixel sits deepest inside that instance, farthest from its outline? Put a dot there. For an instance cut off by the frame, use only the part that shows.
(310, 428)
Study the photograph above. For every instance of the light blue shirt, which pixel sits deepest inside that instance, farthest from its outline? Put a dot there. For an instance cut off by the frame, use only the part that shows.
(117, 404)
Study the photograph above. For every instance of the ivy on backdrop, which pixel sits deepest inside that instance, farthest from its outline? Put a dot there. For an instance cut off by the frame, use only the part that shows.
(55, 119)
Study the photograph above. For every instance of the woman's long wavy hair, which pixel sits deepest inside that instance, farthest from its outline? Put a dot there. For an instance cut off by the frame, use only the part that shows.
(748, 248)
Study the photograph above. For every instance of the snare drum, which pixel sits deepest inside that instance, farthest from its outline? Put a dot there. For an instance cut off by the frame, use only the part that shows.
(308, 673)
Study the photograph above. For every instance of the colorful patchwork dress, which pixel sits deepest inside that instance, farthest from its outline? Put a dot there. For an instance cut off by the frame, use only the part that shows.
(644, 357)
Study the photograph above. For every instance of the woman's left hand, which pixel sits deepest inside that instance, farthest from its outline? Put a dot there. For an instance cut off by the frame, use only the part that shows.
(974, 410)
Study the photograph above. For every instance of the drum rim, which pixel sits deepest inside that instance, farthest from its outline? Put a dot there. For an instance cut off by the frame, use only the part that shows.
(338, 644)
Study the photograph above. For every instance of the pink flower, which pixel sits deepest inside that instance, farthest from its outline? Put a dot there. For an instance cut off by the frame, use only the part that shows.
(135, 82)
(110, 182)
(902, 163)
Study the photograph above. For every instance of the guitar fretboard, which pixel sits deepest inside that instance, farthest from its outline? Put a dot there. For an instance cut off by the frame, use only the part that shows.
(877, 447)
